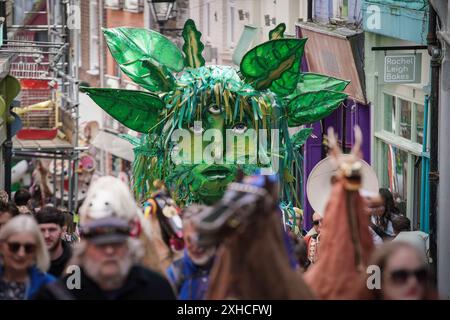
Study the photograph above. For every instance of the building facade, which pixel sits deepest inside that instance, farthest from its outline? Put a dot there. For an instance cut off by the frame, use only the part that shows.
(222, 22)
(443, 218)
(398, 107)
(335, 47)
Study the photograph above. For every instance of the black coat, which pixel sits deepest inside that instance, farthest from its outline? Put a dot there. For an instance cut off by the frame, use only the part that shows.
(141, 284)
(57, 266)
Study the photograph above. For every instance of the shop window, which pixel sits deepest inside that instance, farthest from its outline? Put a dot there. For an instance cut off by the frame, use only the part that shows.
(389, 113)
(405, 118)
(420, 123)
(344, 10)
(402, 118)
(396, 176)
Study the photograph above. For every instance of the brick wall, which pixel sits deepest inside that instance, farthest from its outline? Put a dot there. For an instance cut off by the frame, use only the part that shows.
(84, 75)
(120, 18)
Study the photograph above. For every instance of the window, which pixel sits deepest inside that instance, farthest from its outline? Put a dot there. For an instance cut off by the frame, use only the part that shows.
(395, 177)
(403, 118)
(344, 9)
(93, 36)
(232, 24)
(208, 19)
(389, 113)
(21, 9)
(398, 142)
(420, 123)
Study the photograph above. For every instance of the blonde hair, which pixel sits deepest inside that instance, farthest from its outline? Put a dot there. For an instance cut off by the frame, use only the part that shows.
(22, 224)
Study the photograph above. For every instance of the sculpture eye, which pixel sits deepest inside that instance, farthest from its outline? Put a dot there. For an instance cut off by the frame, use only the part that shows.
(214, 109)
(239, 128)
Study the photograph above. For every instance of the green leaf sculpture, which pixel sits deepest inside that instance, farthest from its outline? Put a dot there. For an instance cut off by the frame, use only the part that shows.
(312, 82)
(312, 106)
(146, 56)
(192, 47)
(11, 89)
(274, 65)
(300, 137)
(137, 110)
(277, 32)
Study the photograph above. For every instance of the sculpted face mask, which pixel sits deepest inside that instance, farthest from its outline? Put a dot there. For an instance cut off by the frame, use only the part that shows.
(200, 123)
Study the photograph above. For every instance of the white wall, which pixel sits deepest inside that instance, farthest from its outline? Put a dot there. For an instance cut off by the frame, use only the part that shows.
(221, 27)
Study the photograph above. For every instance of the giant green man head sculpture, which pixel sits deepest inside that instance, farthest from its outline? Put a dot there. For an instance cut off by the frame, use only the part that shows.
(200, 123)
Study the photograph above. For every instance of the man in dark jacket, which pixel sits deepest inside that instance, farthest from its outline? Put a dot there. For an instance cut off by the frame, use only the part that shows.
(104, 268)
(51, 222)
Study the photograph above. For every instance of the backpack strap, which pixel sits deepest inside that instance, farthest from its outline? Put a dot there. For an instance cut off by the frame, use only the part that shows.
(378, 230)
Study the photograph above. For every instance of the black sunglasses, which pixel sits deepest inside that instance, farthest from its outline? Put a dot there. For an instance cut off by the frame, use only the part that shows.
(14, 247)
(316, 222)
(402, 275)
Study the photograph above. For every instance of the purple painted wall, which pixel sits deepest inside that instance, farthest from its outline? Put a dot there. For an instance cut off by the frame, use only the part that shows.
(355, 113)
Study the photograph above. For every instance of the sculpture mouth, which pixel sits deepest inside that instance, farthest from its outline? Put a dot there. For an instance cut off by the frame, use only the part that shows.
(216, 172)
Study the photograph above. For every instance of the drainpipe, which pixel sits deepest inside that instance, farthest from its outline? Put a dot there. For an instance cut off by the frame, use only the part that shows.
(434, 51)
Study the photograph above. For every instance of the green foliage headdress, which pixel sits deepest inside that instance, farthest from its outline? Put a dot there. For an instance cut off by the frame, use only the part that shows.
(267, 92)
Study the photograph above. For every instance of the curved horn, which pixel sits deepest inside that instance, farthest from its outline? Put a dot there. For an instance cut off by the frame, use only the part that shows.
(356, 150)
(335, 150)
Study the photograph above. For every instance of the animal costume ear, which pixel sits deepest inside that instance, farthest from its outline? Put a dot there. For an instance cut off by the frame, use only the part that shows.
(192, 47)
(274, 65)
(146, 56)
(136, 110)
(277, 32)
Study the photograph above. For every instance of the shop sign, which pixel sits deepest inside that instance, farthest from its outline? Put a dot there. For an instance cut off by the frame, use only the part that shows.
(401, 68)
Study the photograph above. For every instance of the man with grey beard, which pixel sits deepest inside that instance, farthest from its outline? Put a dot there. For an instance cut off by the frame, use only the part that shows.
(108, 270)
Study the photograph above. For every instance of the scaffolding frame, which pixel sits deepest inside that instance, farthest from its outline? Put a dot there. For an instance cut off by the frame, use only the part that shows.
(55, 60)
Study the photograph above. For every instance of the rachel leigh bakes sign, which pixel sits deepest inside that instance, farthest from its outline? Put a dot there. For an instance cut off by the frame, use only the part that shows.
(401, 68)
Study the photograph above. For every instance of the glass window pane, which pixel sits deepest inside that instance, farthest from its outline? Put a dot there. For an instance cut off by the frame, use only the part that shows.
(420, 123)
(344, 8)
(405, 119)
(396, 176)
(389, 113)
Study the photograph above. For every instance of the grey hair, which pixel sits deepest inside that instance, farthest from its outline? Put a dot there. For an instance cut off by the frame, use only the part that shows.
(26, 223)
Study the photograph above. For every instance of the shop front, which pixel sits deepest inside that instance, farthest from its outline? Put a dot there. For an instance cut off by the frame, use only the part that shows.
(336, 52)
(400, 142)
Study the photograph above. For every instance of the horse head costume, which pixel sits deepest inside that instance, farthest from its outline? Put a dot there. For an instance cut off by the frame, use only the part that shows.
(164, 215)
(252, 260)
(346, 243)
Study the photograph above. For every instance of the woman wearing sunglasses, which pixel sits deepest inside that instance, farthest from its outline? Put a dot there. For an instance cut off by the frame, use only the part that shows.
(404, 273)
(24, 259)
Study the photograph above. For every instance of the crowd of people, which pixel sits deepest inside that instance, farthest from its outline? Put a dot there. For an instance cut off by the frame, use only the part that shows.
(40, 258)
